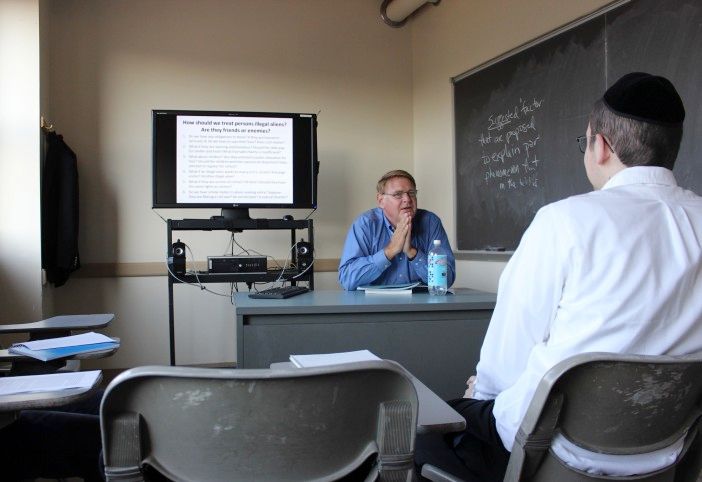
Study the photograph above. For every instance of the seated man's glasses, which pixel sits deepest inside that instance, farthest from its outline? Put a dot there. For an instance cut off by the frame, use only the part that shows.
(400, 194)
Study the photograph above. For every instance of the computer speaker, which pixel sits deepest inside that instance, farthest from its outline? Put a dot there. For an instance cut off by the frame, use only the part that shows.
(177, 258)
(305, 255)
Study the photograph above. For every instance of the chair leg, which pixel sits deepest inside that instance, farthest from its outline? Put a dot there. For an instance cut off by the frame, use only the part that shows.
(690, 468)
(435, 474)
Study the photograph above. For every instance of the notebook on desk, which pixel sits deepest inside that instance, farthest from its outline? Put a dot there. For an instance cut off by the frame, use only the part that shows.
(399, 289)
(65, 346)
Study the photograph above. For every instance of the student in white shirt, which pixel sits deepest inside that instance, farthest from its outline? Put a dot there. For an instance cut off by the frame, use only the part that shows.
(616, 270)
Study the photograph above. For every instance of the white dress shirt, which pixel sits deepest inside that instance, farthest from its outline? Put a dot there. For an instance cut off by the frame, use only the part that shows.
(615, 270)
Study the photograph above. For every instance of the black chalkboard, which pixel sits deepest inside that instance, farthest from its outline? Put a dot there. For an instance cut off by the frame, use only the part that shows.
(517, 119)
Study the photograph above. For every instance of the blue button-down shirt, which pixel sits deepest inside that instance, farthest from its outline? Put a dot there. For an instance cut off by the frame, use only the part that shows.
(363, 260)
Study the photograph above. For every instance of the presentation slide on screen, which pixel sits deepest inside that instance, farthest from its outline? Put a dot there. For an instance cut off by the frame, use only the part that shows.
(234, 160)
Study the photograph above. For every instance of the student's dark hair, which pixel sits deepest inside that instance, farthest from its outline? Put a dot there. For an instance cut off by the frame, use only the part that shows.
(380, 187)
(636, 143)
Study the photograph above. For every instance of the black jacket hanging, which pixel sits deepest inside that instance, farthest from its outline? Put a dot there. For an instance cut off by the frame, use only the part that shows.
(59, 210)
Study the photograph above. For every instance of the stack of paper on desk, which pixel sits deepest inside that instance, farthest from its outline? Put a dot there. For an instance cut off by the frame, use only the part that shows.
(308, 361)
(53, 348)
(401, 289)
(48, 383)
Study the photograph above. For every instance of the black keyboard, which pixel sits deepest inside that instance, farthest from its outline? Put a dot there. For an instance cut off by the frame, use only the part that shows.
(280, 292)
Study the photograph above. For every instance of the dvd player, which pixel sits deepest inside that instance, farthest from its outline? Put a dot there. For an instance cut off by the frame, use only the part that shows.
(237, 264)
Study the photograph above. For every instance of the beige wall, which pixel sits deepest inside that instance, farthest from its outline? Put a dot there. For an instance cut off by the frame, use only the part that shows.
(447, 41)
(20, 248)
(111, 62)
(384, 97)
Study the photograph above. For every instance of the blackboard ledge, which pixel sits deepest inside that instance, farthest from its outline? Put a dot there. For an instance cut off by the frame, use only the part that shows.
(483, 255)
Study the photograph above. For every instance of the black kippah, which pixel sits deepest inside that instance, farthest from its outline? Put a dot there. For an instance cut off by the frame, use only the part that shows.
(647, 98)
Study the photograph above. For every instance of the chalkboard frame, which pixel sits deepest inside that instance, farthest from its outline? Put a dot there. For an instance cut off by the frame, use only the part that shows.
(487, 255)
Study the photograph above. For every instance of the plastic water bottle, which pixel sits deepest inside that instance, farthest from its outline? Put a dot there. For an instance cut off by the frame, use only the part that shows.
(437, 270)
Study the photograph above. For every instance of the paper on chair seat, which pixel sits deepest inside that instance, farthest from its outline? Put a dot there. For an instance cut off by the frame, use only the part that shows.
(73, 340)
(65, 347)
(48, 383)
(323, 359)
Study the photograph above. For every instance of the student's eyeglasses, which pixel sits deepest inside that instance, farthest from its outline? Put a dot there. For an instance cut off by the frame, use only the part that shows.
(582, 142)
(400, 194)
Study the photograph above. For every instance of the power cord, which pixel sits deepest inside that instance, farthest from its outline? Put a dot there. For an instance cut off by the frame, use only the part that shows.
(199, 283)
(157, 214)
(311, 213)
(234, 288)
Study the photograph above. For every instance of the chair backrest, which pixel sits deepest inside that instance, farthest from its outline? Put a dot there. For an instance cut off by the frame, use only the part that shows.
(254, 424)
(609, 403)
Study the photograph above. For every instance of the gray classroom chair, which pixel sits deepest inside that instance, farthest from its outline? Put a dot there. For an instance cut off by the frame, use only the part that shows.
(308, 424)
(609, 403)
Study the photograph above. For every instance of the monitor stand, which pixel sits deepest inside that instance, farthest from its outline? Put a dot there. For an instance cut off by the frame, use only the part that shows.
(236, 214)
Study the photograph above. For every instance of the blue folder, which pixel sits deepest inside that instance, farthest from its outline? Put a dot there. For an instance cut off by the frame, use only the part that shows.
(62, 352)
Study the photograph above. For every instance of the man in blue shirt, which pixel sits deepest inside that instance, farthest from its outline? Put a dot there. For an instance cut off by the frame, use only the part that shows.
(389, 244)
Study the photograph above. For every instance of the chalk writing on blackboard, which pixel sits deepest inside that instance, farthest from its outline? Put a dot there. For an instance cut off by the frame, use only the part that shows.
(501, 183)
(508, 146)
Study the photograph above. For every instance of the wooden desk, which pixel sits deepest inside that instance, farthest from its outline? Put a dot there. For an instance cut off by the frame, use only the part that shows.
(433, 414)
(436, 338)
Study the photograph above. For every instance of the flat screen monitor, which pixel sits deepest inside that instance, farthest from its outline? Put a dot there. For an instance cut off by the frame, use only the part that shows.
(234, 160)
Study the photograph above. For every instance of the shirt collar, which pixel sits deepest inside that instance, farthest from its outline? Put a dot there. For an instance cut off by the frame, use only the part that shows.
(385, 220)
(642, 175)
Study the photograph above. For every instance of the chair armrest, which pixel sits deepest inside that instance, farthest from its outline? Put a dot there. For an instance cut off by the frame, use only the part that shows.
(64, 323)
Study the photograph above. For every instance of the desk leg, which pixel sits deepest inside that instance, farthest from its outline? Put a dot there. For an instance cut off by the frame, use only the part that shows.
(171, 323)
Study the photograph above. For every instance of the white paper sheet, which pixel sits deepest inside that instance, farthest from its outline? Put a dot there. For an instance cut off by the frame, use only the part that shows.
(307, 361)
(73, 340)
(47, 383)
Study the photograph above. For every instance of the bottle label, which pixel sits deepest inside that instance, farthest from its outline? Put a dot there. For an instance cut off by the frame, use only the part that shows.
(437, 270)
